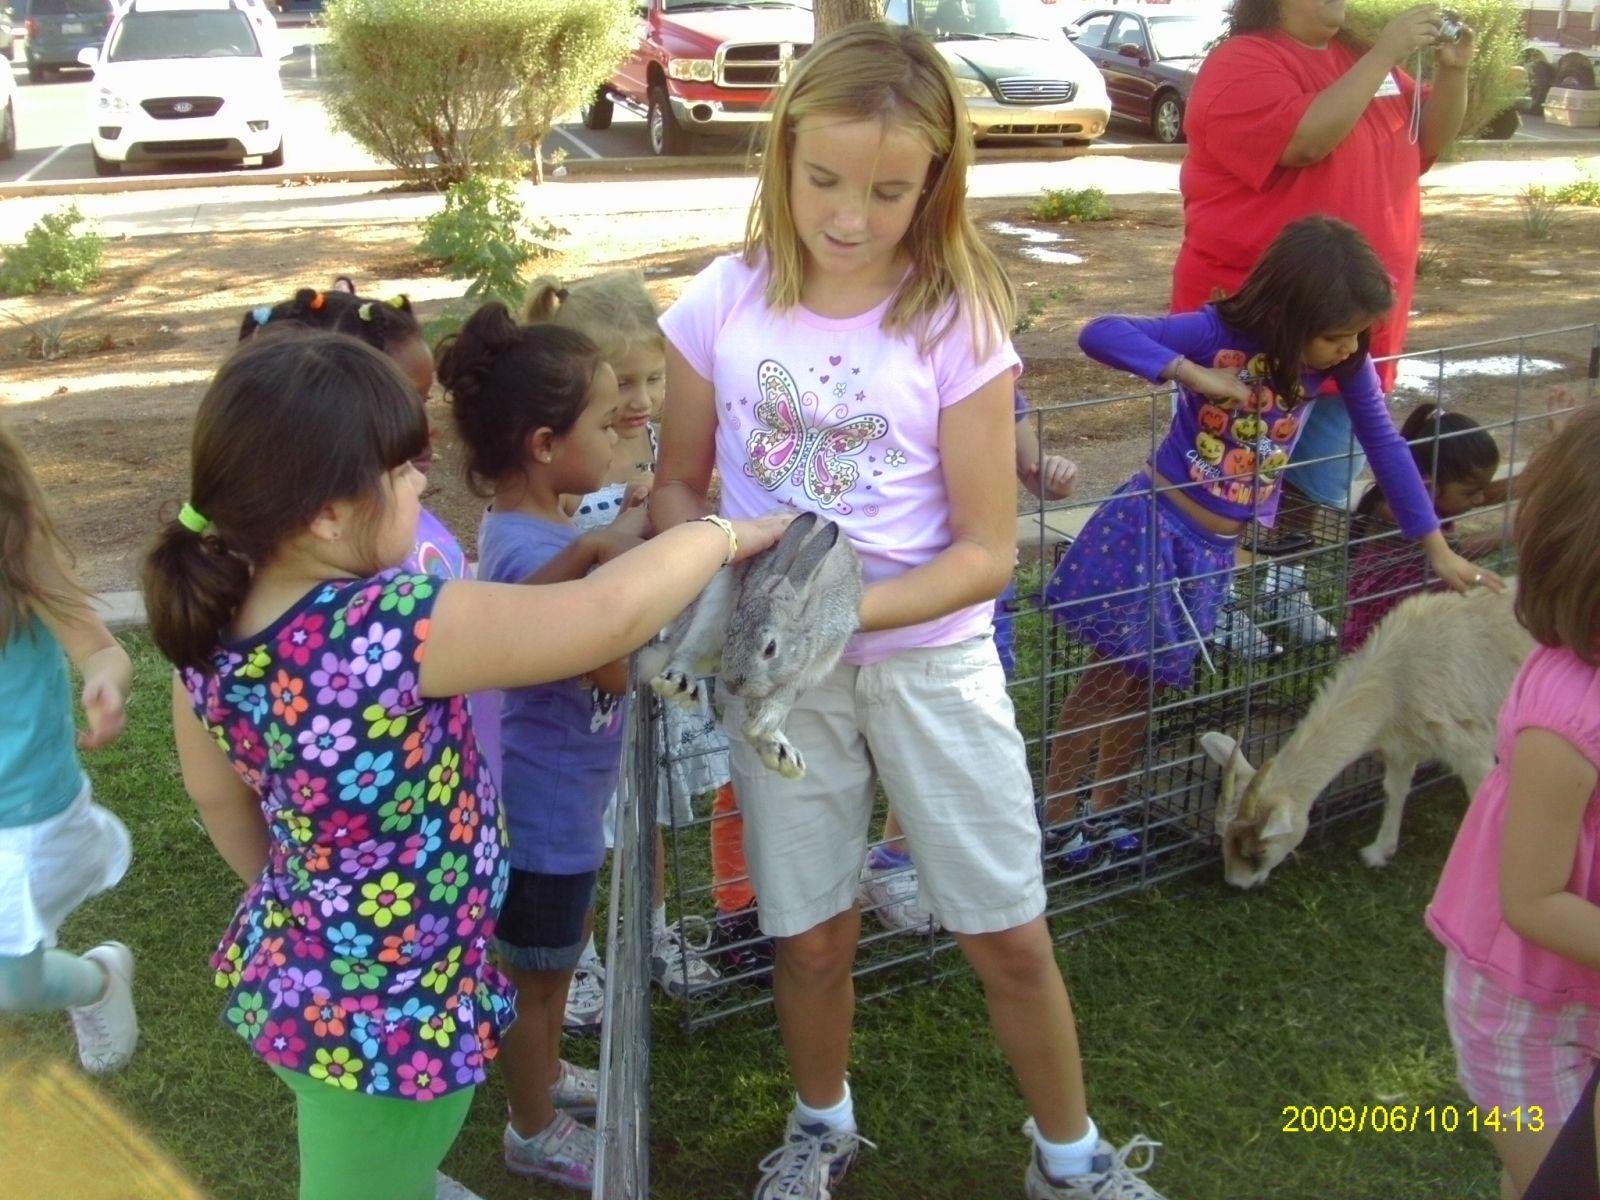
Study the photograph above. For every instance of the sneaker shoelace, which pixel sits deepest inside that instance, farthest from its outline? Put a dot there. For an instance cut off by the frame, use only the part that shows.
(587, 989)
(90, 1025)
(689, 933)
(575, 1080)
(1128, 1162)
(800, 1167)
(567, 1143)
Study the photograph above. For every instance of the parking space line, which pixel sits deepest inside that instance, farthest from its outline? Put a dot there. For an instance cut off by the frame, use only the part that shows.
(578, 142)
(43, 163)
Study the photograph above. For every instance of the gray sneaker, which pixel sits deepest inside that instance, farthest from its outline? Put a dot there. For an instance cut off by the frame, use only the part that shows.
(108, 1029)
(586, 1000)
(678, 958)
(576, 1091)
(1114, 1174)
(809, 1164)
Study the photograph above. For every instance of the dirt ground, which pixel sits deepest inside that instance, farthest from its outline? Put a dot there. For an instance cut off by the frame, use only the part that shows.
(107, 425)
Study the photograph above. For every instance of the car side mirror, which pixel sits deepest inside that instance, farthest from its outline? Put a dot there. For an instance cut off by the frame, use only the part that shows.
(89, 56)
(1129, 50)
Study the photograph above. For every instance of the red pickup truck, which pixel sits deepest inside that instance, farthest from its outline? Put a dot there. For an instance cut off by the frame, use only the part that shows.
(703, 66)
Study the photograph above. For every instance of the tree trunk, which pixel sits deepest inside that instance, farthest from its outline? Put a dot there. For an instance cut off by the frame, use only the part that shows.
(836, 14)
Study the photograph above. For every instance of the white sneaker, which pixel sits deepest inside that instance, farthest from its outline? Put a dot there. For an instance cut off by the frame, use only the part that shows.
(445, 1188)
(108, 1029)
(677, 963)
(1115, 1173)
(576, 1091)
(810, 1164)
(586, 999)
(891, 893)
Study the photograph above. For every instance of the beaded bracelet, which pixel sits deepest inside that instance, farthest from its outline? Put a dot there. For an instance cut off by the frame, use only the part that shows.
(733, 538)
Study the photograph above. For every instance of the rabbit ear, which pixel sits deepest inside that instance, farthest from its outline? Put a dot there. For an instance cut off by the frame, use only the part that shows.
(811, 555)
(782, 556)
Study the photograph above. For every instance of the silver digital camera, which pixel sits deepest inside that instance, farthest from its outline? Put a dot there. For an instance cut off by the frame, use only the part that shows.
(1451, 26)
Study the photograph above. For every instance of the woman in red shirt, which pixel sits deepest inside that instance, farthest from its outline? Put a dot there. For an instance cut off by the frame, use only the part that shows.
(1291, 115)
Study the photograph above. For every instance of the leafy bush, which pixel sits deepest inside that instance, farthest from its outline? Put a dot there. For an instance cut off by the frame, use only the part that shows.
(52, 257)
(459, 87)
(483, 234)
(1072, 204)
(1538, 212)
(1584, 190)
(1495, 80)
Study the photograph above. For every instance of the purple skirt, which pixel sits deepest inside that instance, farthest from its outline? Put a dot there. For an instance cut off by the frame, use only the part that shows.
(1142, 585)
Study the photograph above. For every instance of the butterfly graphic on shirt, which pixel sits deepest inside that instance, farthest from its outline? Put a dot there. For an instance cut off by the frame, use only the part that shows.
(786, 446)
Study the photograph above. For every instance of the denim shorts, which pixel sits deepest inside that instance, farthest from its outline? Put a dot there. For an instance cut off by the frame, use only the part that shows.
(541, 926)
(1327, 458)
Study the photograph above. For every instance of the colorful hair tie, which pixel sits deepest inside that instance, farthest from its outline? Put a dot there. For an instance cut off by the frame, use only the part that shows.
(262, 314)
(365, 311)
(189, 517)
(402, 302)
(317, 302)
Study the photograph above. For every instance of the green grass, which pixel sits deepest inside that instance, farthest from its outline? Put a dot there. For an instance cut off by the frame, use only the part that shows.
(1202, 1012)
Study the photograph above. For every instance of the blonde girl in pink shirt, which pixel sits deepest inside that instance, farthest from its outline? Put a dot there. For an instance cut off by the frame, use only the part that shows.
(1522, 961)
(853, 362)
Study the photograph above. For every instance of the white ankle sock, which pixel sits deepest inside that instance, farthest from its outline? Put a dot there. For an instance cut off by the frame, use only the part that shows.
(658, 920)
(590, 953)
(1064, 1159)
(841, 1116)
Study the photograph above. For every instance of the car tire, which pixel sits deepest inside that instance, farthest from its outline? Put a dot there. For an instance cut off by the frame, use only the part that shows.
(1166, 118)
(273, 161)
(667, 137)
(597, 113)
(1502, 126)
(36, 74)
(9, 53)
(104, 166)
(8, 131)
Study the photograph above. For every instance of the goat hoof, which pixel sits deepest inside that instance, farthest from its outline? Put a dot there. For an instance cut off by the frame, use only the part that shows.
(678, 687)
(778, 755)
(1376, 856)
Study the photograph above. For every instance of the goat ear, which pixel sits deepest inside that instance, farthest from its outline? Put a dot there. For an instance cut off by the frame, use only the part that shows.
(1278, 824)
(1219, 747)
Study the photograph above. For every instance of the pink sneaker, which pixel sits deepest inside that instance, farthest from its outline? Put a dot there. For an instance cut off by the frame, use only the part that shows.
(563, 1152)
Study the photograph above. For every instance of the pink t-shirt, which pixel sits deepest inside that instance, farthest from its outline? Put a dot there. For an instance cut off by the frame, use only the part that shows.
(1555, 690)
(835, 416)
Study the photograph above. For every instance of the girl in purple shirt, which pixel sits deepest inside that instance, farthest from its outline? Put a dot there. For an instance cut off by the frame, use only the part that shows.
(1143, 583)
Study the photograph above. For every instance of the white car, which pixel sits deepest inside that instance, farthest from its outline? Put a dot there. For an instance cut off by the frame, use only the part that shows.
(185, 79)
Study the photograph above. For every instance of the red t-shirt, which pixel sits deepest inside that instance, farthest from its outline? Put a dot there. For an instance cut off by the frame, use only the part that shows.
(1248, 99)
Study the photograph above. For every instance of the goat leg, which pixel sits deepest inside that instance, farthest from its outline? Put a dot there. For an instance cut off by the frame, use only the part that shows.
(1397, 773)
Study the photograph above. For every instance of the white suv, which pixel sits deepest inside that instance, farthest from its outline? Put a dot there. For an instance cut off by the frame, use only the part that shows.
(185, 79)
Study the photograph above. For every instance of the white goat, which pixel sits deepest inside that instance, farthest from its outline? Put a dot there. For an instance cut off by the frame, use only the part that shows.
(1426, 685)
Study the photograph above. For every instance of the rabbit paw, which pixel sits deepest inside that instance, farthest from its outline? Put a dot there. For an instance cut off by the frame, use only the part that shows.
(780, 756)
(678, 686)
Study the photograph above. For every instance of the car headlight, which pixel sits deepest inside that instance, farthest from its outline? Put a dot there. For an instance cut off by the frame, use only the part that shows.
(973, 89)
(696, 70)
(108, 101)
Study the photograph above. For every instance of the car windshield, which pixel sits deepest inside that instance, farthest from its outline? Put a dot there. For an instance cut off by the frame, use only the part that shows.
(74, 8)
(704, 5)
(1184, 37)
(185, 33)
(952, 20)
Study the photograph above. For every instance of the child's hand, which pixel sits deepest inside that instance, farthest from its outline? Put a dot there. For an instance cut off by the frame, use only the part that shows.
(1460, 574)
(755, 536)
(1052, 478)
(633, 521)
(1559, 404)
(1211, 383)
(105, 706)
(638, 492)
(617, 538)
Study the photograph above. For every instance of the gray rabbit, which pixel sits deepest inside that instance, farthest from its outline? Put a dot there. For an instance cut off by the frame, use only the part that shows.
(778, 623)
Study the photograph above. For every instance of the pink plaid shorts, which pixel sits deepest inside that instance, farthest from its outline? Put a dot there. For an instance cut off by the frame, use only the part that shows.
(1514, 1052)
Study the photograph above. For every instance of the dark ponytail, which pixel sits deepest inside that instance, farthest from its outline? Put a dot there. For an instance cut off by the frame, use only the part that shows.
(1447, 446)
(287, 427)
(505, 381)
(382, 324)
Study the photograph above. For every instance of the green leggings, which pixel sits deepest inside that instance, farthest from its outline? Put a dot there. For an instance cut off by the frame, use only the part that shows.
(355, 1145)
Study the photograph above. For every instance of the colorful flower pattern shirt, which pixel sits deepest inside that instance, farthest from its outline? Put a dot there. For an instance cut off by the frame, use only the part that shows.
(359, 956)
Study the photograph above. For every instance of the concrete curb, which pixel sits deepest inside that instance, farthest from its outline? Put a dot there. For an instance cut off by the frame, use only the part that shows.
(707, 164)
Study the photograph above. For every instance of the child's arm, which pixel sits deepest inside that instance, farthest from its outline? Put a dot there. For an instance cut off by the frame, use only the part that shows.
(688, 446)
(1047, 476)
(1401, 482)
(1163, 349)
(976, 445)
(496, 635)
(1551, 787)
(228, 809)
(106, 669)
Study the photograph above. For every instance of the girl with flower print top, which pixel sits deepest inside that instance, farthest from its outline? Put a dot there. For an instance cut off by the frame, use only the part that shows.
(322, 727)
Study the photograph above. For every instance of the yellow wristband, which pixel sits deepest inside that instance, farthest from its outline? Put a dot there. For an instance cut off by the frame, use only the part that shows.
(733, 538)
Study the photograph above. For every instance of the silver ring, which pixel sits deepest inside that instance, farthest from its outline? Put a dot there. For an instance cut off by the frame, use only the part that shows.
(1478, 578)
